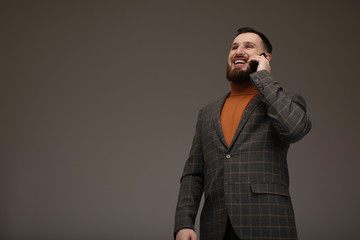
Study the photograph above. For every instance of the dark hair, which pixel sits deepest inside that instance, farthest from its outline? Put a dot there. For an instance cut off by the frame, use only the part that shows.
(262, 36)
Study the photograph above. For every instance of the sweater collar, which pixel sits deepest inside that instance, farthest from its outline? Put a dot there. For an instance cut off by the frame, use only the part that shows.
(246, 88)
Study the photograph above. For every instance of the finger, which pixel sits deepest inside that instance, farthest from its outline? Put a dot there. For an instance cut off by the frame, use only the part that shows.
(256, 58)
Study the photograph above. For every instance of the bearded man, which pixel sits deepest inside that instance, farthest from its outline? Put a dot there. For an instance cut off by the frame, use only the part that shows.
(238, 157)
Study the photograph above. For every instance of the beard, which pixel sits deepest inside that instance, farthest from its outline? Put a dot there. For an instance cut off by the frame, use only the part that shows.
(238, 76)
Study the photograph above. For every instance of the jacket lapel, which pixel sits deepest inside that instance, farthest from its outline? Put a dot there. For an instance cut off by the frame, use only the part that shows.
(244, 118)
(216, 117)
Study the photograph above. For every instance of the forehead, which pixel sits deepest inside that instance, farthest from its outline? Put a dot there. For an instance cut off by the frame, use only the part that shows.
(248, 37)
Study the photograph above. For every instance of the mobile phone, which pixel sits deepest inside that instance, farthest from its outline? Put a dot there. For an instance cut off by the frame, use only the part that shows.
(254, 64)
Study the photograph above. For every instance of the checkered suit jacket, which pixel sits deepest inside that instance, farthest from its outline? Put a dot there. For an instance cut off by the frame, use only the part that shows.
(247, 181)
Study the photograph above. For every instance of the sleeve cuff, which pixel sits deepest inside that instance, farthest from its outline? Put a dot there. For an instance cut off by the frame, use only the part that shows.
(261, 79)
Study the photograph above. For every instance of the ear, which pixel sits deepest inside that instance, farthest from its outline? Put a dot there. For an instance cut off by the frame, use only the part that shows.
(268, 56)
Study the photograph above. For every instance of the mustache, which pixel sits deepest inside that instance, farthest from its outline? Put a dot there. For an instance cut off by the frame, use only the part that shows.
(240, 58)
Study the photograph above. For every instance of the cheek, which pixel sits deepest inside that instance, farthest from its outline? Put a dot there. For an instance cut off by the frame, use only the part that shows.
(229, 58)
(252, 52)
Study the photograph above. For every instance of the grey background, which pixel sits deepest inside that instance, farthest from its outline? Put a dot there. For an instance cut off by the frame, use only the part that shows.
(99, 101)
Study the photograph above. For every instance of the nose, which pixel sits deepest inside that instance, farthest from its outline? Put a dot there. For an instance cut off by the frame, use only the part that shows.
(240, 51)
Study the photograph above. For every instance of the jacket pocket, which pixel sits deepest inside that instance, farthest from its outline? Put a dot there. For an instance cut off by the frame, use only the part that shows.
(270, 188)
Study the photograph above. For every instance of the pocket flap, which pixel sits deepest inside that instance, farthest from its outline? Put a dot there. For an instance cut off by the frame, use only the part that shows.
(270, 188)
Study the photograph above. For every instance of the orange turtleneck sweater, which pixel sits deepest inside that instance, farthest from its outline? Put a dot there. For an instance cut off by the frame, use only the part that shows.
(234, 107)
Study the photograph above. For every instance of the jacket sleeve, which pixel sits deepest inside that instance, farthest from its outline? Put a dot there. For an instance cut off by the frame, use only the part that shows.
(192, 184)
(287, 112)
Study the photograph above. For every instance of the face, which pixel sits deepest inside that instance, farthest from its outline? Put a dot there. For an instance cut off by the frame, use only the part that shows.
(243, 46)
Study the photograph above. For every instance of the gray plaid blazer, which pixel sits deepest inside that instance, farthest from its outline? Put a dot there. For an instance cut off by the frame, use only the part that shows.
(248, 181)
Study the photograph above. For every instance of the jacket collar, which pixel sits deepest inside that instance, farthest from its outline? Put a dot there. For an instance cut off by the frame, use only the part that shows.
(248, 111)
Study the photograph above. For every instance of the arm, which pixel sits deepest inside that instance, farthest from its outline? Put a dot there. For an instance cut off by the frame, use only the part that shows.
(288, 112)
(191, 188)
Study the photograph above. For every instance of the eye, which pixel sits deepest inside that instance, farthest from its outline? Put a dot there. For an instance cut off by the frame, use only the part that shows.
(234, 46)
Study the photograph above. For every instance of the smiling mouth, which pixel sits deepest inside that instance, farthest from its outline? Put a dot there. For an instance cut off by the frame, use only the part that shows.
(239, 62)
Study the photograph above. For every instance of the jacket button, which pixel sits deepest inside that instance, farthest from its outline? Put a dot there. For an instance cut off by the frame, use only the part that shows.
(228, 156)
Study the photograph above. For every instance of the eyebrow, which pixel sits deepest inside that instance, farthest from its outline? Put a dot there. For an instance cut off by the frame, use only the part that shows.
(246, 42)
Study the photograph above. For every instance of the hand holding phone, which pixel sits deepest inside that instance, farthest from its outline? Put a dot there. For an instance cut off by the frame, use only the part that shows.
(254, 64)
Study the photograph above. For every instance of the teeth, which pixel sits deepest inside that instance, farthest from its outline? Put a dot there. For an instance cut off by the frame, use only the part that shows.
(239, 61)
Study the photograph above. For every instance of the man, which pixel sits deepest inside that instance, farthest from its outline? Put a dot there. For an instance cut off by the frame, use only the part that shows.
(238, 156)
